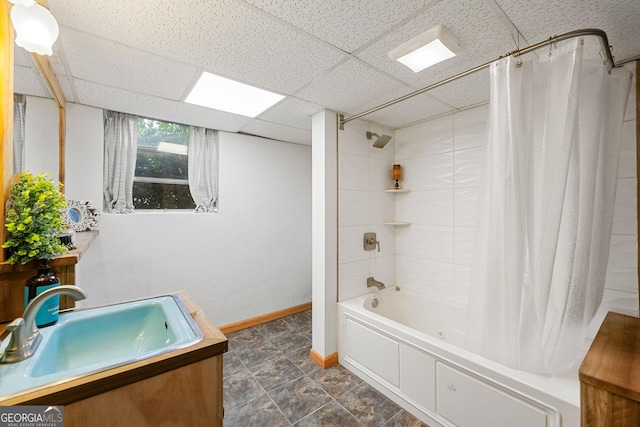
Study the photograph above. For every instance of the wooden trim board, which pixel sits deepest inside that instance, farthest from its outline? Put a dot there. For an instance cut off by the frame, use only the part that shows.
(324, 362)
(258, 320)
(637, 88)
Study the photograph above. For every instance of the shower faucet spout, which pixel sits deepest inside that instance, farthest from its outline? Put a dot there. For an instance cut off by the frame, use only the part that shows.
(371, 282)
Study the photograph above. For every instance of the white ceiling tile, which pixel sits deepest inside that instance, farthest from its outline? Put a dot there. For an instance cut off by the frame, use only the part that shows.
(292, 112)
(345, 24)
(278, 132)
(112, 64)
(541, 19)
(156, 108)
(56, 59)
(27, 81)
(145, 46)
(481, 34)
(469, 90)
(224, 37)
(353, 87)
(21, 57)
(409, 111)
(67, 91)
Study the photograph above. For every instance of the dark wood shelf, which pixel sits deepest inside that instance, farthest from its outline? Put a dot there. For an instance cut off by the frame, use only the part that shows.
(13, 277)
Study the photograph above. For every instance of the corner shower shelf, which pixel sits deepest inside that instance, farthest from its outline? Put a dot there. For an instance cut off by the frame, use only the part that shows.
(397, 223)
(400, 190)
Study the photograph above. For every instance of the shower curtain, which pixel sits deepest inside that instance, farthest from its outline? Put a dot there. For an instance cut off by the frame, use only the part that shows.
(546, 207)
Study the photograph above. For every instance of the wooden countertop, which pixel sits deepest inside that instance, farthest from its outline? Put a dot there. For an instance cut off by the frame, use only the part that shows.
(613, 361)
(75, 389)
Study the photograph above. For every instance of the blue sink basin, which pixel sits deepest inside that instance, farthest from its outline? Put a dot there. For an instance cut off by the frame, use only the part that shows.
(95, 339)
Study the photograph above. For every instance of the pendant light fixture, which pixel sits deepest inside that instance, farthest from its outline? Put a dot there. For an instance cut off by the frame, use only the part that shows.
(36, 28)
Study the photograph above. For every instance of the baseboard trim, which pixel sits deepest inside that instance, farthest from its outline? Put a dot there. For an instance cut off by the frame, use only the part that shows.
(259, 320)
(324, 362)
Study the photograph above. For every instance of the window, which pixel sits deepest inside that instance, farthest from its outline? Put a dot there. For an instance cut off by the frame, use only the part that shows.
(161, 177)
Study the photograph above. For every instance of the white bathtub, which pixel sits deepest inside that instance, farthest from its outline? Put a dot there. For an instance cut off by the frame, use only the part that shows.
(409, 347)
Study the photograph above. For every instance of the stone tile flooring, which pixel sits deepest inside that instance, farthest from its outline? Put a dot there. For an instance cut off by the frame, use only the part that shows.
(269, 380)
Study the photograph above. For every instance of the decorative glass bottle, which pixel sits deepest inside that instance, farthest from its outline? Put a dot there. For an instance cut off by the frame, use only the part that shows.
(48, 314)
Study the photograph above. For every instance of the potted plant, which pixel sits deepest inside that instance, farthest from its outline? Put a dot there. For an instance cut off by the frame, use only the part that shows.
(34, 219)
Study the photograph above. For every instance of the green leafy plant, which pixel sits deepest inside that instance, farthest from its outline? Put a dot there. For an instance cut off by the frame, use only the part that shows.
(34, 219)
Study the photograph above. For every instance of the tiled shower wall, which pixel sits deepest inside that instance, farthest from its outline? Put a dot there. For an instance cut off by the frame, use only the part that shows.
(442, 164)
(363, 173)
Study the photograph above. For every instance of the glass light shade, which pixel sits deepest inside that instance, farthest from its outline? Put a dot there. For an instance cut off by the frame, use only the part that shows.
(36, 28)
(427, 49)
(27, 3)
(397, 172)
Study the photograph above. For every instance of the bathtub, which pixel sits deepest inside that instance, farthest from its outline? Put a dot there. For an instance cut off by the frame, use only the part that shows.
(410, 348)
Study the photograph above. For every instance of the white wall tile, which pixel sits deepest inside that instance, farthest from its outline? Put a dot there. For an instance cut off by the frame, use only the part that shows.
(350, 244)
(380, 174)
(352, 279)
(353, 172)
(428, 173)
(353, 207)
(423, 139)
(627, 165)
(468, 167)
(616, 301)
(470, 128)
(353, 139)
(622, 267)
(386, 235)
(388, 151)
(464, 237)
(461, 288)
(381, 207)
(630, 113)
(431, 242)
(432, 277)
(434, 207)
(383, 269)
(624, 215)
(465, 204)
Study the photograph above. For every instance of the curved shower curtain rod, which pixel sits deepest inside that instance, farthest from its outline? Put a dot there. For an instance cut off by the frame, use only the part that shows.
(604, 42)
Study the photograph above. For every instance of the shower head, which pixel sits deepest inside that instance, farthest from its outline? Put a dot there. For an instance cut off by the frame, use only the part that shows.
(381, 141)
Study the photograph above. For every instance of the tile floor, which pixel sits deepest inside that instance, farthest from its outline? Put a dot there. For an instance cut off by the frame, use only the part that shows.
(269, 380)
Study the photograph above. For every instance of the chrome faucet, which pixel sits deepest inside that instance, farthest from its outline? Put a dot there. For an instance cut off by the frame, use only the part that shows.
(25, 336)
(371, 282)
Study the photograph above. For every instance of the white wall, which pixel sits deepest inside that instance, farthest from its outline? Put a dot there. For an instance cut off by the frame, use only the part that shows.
(252, 258)
(325, 233)
(364, 172)
(41, 129)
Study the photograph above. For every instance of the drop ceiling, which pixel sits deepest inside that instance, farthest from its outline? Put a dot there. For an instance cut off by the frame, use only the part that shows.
(143, 56)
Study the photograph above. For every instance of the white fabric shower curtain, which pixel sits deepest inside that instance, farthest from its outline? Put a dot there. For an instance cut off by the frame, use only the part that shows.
(546, 207)
(120, 151)
(203, 168)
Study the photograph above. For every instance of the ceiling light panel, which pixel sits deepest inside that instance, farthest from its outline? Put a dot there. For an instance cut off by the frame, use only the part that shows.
(223, 94)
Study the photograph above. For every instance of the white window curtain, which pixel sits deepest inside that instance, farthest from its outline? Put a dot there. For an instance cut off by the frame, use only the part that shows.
(120, 150)
(546, 207)
(203, 168)
(19, 110)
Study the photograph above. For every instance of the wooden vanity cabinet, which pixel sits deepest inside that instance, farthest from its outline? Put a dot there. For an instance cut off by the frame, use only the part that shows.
(610, 375)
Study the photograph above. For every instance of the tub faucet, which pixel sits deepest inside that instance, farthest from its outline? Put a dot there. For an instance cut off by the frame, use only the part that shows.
(25, 336)
(371, 282)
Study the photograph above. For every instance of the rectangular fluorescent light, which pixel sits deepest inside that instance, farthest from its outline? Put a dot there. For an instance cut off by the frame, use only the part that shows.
(433, 46)
(228, 95)
(170, 147)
